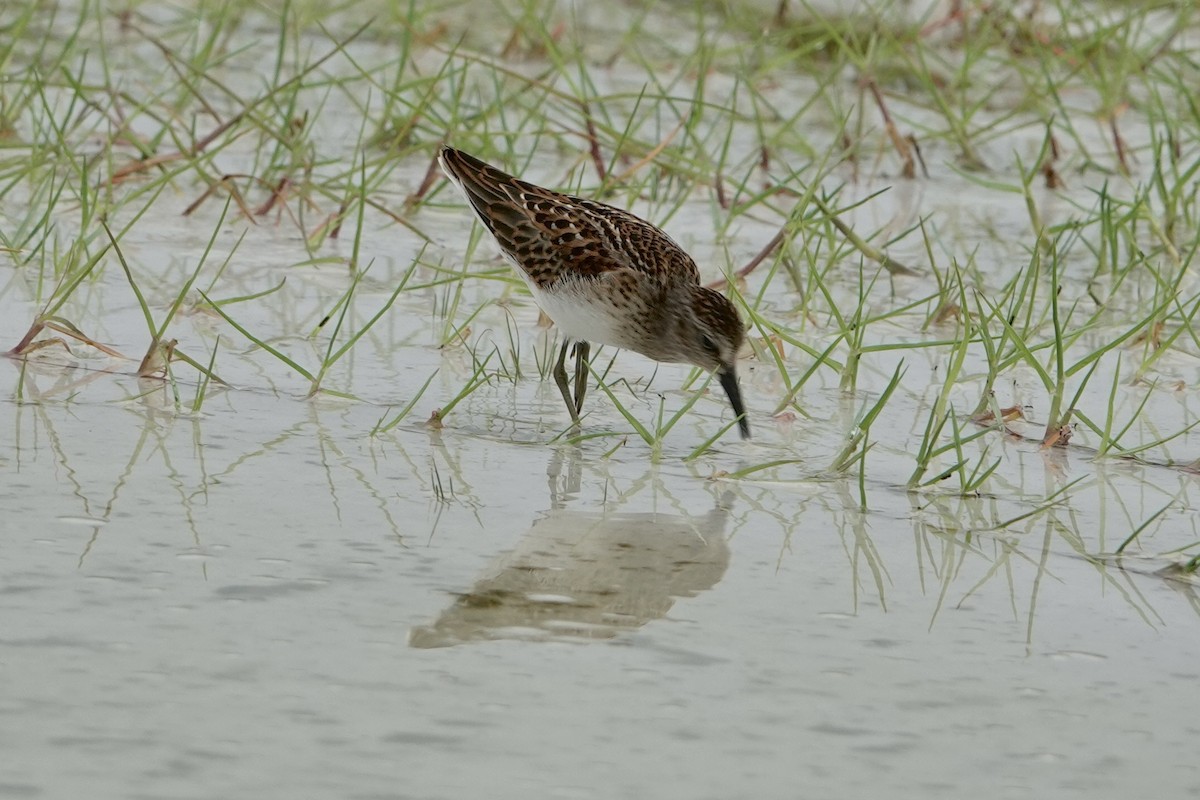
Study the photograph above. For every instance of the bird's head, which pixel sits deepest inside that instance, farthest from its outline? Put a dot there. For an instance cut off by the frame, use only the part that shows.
(718, 337)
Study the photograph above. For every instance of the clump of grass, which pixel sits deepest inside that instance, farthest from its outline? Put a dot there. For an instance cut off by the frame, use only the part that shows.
(479, 376)
(316, 376)
(654, 436)
(161, 352)
(383, 425)
(75, 270)
(858, 442)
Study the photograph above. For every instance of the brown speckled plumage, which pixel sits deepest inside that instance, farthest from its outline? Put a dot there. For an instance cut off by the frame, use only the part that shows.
(603, 275)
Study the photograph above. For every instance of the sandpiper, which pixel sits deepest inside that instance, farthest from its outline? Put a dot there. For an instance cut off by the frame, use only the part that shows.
(605, 276)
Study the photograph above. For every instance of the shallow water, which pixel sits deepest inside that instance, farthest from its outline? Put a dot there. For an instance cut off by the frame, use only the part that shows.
(265, 601)
(261, 598)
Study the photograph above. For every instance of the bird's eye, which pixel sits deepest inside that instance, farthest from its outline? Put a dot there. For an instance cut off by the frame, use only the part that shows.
(709, 345)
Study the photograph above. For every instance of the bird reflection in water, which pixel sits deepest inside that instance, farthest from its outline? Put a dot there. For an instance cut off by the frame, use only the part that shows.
(578, 575)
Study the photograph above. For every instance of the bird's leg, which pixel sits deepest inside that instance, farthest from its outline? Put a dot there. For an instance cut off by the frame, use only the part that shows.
(560, 378)
(581, 373)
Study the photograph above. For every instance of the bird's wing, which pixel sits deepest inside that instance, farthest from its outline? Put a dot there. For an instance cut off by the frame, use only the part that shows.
(543, 231)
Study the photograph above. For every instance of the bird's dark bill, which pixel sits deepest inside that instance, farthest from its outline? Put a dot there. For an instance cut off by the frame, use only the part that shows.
(729, 383)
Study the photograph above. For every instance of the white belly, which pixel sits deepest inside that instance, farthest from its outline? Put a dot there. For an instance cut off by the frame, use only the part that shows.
(581, 315)
(584, 318)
